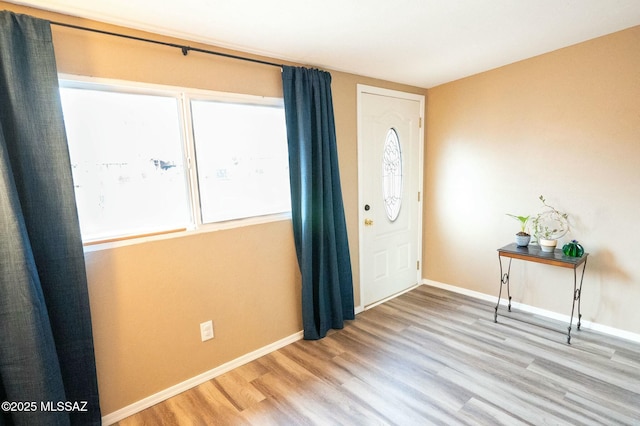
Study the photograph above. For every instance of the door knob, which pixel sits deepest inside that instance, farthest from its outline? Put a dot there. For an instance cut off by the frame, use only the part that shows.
(368, 222)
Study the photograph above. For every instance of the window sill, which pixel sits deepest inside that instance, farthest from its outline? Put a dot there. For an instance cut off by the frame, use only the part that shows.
(111, 243)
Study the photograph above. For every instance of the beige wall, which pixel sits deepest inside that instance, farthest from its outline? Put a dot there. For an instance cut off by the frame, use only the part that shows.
(565, 125)
(148, 299)
(490, 138)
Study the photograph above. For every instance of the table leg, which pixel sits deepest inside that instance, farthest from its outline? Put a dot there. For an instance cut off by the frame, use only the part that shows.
(577, 292)
(584, 266)
(504, 280)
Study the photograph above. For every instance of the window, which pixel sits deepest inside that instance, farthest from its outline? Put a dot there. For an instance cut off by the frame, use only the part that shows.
(242, 163)
(151, 160)
(392, 175)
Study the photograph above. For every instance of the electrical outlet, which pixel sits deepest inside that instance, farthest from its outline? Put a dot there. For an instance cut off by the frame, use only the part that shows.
(206, 330)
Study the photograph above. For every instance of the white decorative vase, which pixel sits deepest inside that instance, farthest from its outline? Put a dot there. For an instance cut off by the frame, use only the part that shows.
(552, 225)
(547, 246)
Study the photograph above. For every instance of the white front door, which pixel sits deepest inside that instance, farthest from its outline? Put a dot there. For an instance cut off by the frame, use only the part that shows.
(390, 156)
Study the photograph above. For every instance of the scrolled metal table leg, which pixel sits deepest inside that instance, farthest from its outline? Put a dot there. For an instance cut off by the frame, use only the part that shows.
(504, 280)
(577, 292)
(576, 296)
(584, 266)
(508, 288)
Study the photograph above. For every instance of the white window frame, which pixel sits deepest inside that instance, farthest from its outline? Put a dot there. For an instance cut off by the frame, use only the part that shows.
(184, 96)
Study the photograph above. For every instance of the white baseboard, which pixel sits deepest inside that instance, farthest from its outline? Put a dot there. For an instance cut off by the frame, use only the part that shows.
(623, 334)
(154, 399)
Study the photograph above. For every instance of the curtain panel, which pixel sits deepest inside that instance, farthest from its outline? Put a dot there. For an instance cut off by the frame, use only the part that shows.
(319, 225)
(46, 345)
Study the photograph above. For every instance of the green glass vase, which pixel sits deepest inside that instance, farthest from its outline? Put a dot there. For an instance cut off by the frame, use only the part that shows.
(573, 249)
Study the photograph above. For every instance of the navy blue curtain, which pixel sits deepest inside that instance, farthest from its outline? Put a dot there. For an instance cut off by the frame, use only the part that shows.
(47, 364)
(319, 225)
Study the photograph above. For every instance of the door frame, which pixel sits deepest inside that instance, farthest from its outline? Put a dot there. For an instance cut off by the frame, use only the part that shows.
(363, 89)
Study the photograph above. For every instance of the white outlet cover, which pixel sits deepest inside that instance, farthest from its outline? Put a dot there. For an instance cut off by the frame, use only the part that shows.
(206, 330)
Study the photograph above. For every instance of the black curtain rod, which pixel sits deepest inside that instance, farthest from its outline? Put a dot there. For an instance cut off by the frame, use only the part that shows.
(185, 49)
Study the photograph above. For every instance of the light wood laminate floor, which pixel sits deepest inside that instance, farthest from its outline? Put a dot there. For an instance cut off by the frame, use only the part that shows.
(426, 357)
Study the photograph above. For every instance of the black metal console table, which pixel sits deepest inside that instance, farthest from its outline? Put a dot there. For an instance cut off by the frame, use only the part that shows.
(533, 253)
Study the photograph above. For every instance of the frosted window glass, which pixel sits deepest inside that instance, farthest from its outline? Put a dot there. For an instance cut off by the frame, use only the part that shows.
(392, 175)
(242, 160)
(127, 162)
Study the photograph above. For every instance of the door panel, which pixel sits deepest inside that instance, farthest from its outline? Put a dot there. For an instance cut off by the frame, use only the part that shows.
(390, 161)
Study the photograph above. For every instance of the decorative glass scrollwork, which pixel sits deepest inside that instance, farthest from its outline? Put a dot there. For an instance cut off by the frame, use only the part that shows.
(392, 175)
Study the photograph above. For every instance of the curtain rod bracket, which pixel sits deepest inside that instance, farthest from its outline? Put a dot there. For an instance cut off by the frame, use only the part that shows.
(185, 50)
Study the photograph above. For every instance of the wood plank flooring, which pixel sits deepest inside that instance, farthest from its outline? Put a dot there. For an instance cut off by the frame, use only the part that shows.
(426, 357)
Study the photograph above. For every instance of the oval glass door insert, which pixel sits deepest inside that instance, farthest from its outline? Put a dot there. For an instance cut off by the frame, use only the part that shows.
(392, 174)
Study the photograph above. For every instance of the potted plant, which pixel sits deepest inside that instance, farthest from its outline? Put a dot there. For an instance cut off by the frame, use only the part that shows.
(522, 237)
(549, 225)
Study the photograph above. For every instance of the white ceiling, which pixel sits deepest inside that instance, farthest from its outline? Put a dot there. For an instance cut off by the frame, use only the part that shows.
(419, 42)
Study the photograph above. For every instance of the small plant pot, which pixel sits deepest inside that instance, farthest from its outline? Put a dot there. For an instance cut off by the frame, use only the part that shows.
(547, 246)
(522, 240)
